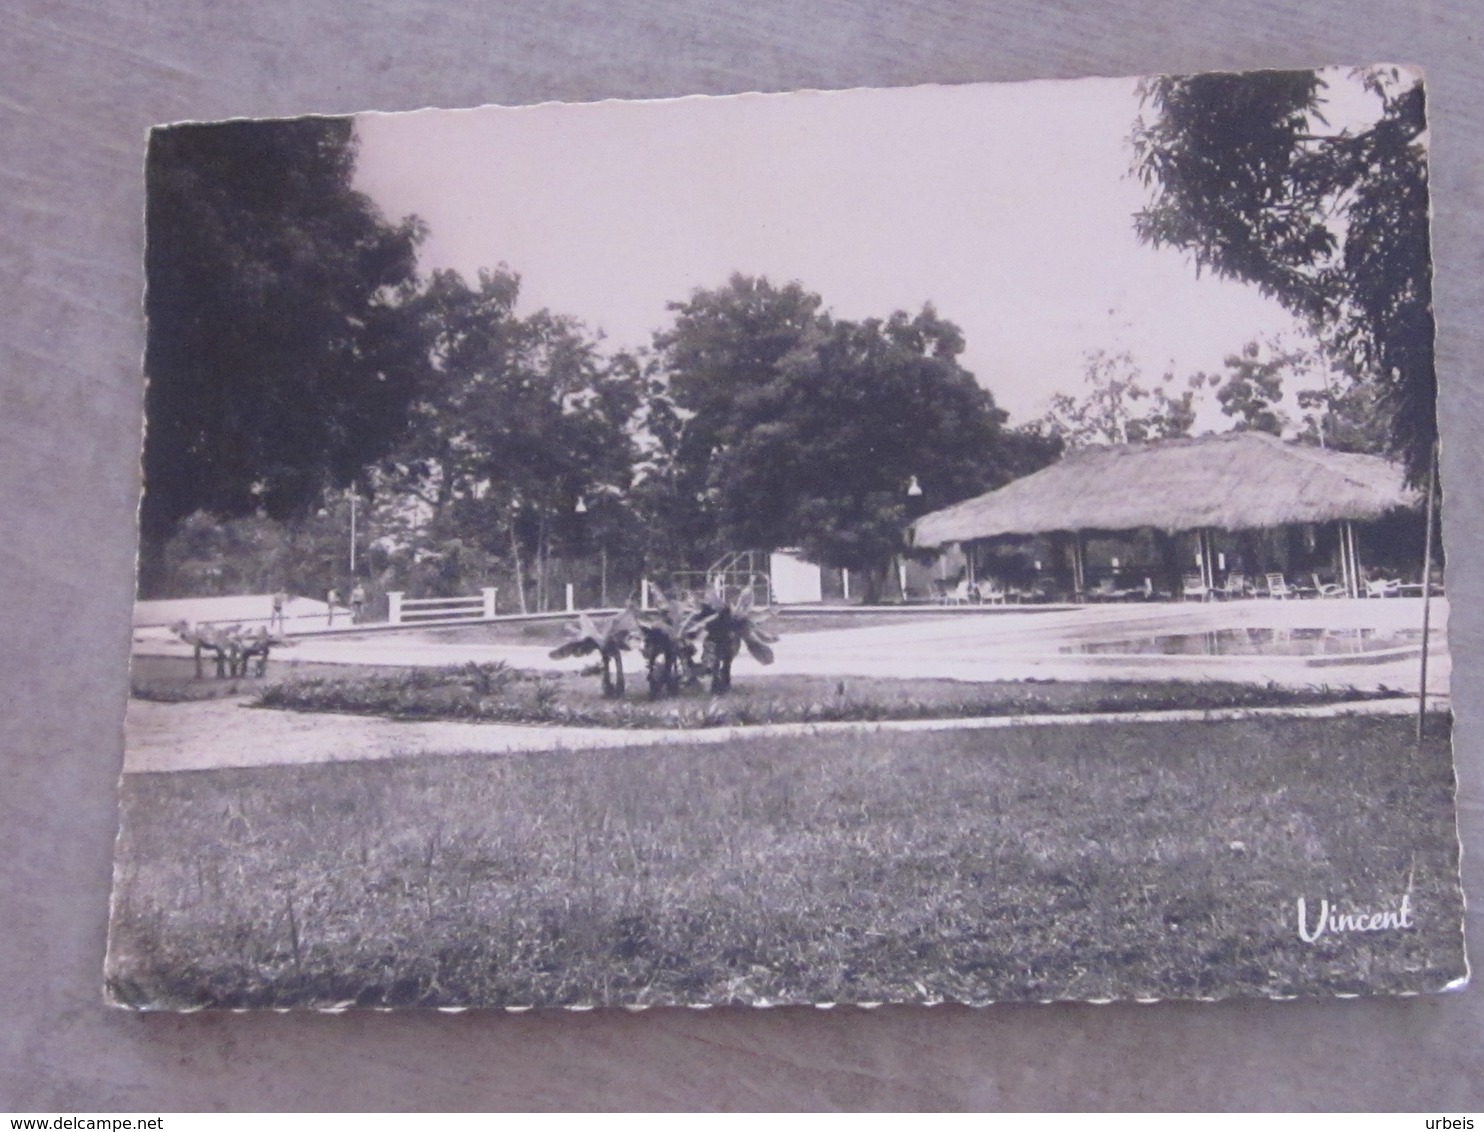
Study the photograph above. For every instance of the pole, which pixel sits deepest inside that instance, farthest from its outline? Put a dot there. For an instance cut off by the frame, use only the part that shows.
(1345, 564)
(352, 533)
(1347, 557)
(1352, 551)
(1432, 490)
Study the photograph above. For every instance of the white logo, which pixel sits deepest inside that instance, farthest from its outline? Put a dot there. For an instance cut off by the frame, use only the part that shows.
(1335, 922)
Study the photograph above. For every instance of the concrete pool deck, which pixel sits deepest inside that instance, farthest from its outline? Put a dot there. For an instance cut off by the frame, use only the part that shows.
(1008, 646)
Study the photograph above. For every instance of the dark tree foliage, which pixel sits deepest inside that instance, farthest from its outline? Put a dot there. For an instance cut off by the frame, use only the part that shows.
(281, 357)
(520, 418)
(800, 429)
(723, 350)
(1250, 178)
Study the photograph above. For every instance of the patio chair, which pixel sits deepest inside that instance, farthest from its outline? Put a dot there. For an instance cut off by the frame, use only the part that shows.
(1328, 589)
(959, 595)
(1194, 586)
(1278, 587)
(1236, 586)
(1383, 587)
(990, 593)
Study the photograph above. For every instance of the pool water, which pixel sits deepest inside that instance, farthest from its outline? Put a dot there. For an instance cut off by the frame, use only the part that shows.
(1257, 642)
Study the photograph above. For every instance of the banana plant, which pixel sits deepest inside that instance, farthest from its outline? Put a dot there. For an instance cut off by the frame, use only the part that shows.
(728, 626)
(608, 639)
(670, 633)
(208, 638)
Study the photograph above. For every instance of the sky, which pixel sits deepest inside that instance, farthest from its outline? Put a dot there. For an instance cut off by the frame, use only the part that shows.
(1007, 206)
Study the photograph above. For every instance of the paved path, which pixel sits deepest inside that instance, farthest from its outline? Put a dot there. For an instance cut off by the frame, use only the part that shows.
(226, 733)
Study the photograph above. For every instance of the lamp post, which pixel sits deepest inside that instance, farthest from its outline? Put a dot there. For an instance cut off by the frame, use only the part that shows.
(599, 491)
(581, 509)
(914, 494)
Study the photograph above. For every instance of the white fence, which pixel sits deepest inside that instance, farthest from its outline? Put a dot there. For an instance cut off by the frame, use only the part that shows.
(402, 610)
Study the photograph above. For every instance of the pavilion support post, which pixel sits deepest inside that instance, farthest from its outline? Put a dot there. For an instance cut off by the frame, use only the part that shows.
(1344, 554)
(1432, 491)
(1350, 558)
(1079, 566)
(1343, 531)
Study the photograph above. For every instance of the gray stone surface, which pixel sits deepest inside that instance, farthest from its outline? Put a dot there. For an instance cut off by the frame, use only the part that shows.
(80, 84)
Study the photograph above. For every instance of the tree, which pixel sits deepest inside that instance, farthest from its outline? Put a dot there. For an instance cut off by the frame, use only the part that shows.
(1346, 414)
(670, 631)
(1253, 386)
(728, 626)
(280, 354)
(520, 419)
(799, 429)
(1118, 408)
(723, 349)
(1250, 179)
(609, 638)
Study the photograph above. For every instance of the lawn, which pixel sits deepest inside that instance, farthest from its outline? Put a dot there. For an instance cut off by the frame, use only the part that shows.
(1112, 861)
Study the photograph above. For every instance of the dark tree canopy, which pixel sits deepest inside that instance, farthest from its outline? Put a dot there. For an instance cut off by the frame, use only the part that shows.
(1250, 178)
(800, 429)
(723, 349)
(520, 418)
(280, 356)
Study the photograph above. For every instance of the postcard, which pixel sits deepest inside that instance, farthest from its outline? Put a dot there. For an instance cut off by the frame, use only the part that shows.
(957, 544)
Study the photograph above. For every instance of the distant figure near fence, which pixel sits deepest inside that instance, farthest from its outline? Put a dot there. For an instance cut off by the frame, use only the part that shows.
(332, 599)
(275, 619)
(357, 603)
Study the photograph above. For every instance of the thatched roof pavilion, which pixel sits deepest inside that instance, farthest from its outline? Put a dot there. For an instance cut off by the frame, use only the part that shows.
(1230, 481)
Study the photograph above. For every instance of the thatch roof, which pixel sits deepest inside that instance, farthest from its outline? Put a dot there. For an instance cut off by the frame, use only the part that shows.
(1232, 481)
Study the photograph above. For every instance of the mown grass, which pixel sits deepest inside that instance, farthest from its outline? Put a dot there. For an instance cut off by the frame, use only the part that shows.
(495, 693)
(1109, 861)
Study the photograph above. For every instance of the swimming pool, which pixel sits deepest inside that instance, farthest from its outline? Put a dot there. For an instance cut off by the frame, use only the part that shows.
(1256, 642)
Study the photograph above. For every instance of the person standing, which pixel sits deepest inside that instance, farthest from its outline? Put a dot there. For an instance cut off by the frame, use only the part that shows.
(357, 603)
(275, 621)
(332, 599)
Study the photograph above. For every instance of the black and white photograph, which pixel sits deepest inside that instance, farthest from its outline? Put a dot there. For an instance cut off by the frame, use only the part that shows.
(948, 544)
